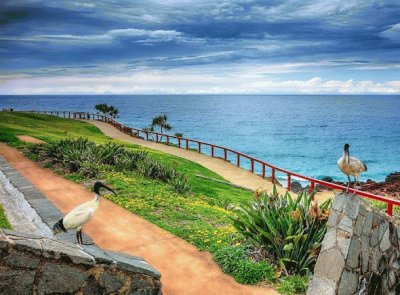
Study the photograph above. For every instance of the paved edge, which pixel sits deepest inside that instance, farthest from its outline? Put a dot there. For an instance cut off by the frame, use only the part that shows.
(43, 207)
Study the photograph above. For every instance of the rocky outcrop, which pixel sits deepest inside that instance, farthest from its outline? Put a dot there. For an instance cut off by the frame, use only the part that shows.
(390, 187)
(360, 252)
(31, 264)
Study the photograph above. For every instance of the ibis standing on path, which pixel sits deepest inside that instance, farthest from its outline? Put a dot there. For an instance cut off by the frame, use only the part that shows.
(80, 215)
(350, 166)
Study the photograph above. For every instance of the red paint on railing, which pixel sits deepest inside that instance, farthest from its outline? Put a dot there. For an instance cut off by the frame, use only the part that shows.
(390, 202)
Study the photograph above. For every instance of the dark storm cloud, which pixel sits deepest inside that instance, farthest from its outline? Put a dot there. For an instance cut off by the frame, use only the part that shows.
(43, 34)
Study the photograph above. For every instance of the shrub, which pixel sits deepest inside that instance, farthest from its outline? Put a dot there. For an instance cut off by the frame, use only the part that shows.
(294, 284)
(87, 158)
(290, 230)
(180, 184)
(234, 261)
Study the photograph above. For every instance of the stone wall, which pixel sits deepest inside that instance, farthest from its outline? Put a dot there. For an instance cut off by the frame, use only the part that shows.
(31, 264)
(360, 252)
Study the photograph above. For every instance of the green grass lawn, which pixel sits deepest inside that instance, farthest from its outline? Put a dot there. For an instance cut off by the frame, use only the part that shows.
(200, 217)
(3, 219)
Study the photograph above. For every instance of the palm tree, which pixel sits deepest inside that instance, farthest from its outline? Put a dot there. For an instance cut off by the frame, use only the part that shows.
(161, 121)
(107, 110)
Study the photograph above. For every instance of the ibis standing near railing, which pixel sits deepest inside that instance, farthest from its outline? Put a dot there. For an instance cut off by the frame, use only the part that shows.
(81, 214)
(351, 166)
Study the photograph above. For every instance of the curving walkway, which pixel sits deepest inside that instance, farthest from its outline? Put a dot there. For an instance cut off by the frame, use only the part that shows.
(225, 169)
(184, 269)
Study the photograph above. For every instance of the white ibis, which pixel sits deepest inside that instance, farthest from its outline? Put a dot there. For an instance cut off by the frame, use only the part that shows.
(350, 166)
(81, 214)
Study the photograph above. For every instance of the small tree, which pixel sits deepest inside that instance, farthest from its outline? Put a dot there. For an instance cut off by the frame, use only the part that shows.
(107, 110)
(161, 121)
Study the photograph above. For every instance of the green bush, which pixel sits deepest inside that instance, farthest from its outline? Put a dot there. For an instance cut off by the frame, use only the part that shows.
(234, 261)
(294, 284)
(180, 184)
(87, 158)
(3, 219)
(290, 230)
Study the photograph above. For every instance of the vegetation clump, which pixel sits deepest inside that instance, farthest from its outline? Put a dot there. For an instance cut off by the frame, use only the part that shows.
(88, 158)
(3, 219)
(106, 110)
(289, 229)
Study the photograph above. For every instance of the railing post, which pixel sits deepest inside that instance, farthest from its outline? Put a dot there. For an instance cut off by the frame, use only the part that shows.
(179, 142)
(212, 151)
(288, 182)
(156, 137)
(199, 147)
(187, 144)
(238, 160)
(147, 135)
(312, 186)
(389, 210)
(167, 139)
(225, 152)
(263, 170)
(273, 175)
(252, 165)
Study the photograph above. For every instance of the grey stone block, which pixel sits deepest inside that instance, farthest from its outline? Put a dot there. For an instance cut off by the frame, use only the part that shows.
(348, 283)
(367, 223)
(351, 207)
(329, 239)
(339, 201)
(60, 278)
(21, 260)
(346, 224)
(330, 264)
(353, 257)
(111, 282)
(66, 252)
(358, 227)
(321, 286)
(364, 253)
(16, 281)
(133, 265)
(385, 242)
(333, 218)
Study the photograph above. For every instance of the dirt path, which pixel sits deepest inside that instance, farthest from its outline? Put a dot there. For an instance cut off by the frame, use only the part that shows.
(184, 269)
(29, 139)
(225, 169)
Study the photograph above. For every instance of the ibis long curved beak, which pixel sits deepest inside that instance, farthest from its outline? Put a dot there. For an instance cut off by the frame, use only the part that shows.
(110, 189)
(99, 184)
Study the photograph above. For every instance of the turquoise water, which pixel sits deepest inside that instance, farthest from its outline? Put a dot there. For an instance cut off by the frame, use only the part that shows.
(299, 132)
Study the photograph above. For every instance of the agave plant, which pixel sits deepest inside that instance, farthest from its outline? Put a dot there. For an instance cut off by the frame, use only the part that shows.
(289, 229)
(86, 157)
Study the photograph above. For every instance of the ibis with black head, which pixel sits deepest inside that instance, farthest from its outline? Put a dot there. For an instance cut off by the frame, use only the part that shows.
(81, 214)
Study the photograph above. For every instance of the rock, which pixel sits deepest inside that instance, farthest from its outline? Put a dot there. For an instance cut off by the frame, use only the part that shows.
(348, 283)
(353, 256)
(295, 186)
(112, 283)
(392, 177)
(16, 281)
(18, 259)
(60, 278)
(385, 242)
(330, 264)
(321, 286)
(327, 179)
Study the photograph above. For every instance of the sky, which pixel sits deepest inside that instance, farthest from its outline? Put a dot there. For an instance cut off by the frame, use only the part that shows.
(200, 47)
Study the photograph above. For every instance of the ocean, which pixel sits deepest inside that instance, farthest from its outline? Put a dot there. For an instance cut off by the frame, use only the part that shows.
(302, 133)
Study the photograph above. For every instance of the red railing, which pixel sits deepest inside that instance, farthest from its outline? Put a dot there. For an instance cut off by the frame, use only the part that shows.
(184, 143)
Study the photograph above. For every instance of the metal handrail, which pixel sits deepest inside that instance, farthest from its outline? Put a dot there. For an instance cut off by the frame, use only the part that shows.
(182, 142)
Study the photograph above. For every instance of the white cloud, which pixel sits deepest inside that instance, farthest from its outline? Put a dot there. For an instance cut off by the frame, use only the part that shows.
(196, 81)
(107, 37)
(393, 33)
